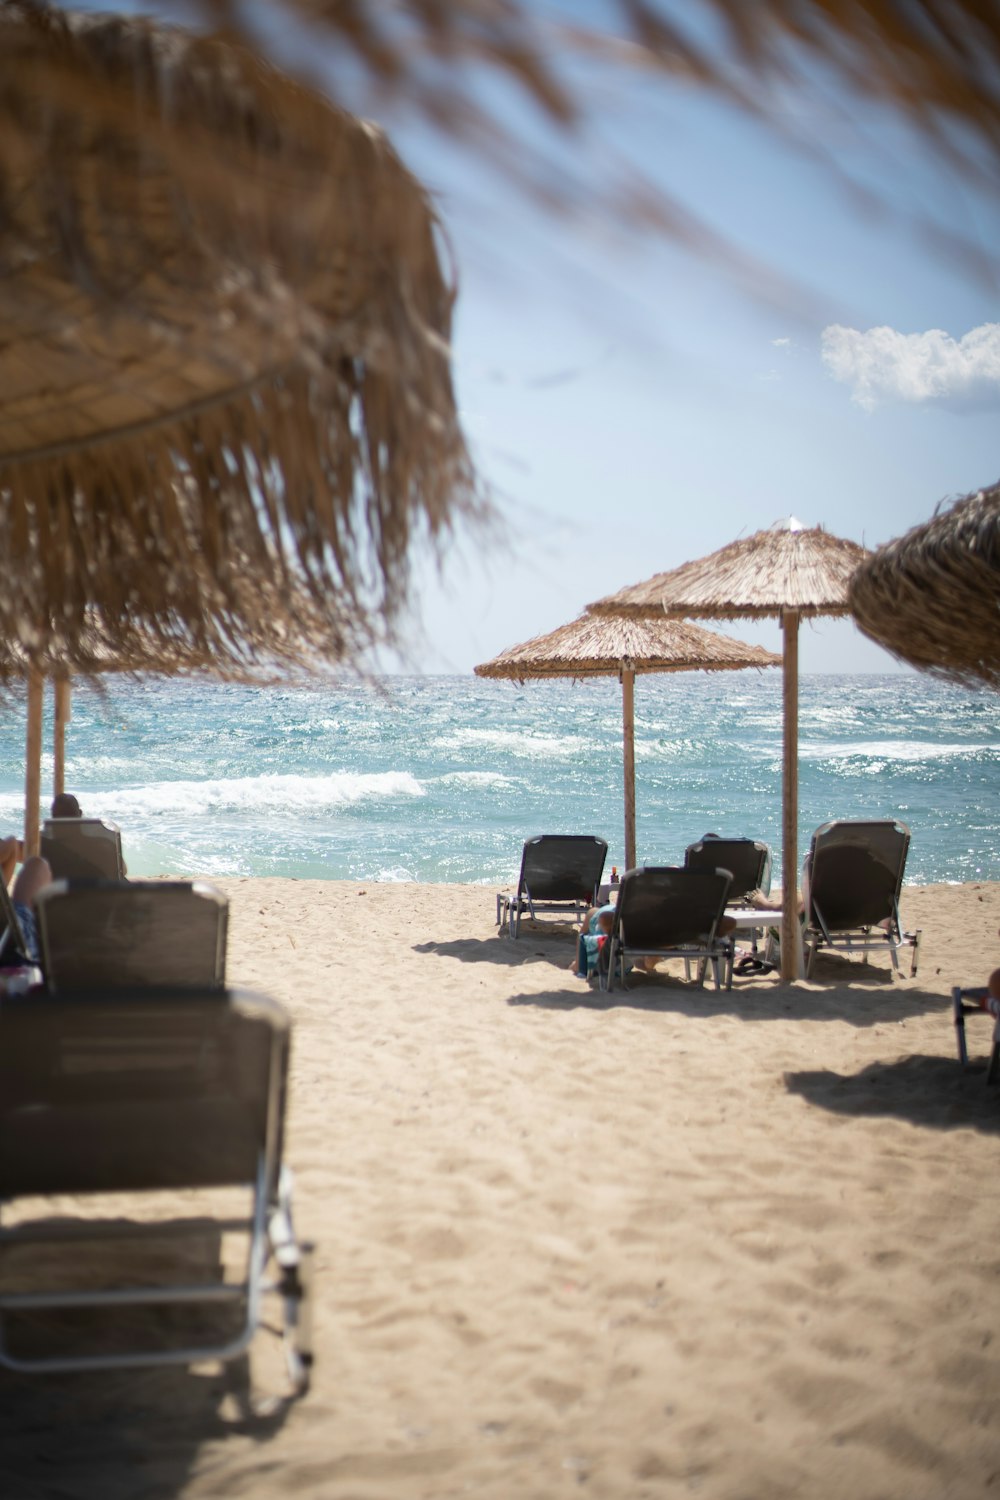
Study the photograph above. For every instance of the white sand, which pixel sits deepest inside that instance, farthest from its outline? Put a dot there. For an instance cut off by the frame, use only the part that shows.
(658, 1243)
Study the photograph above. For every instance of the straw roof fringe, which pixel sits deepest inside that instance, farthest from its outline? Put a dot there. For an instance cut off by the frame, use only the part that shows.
(932, 597)
(783, 568)
(938, 64)
(224, 351)
(597, 646)
(934, 63)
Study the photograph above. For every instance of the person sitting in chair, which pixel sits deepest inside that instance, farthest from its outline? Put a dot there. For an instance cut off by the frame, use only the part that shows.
(65, 805)
(33, 876)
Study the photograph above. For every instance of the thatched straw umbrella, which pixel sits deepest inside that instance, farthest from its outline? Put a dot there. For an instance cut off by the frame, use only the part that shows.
(787, 571)
(601, 646)
(932, 597)
(225, 395)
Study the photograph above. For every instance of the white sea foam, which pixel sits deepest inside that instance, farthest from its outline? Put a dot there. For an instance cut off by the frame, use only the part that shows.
(475, 779)
(254, 794)
(527, 746)
(911, 751)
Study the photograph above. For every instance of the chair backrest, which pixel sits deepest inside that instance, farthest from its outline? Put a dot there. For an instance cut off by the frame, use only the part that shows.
(82, 849)
(562, 866)
(142, 1090)
(107, 935)
(856, 872)
(747, 860)
(662, 906)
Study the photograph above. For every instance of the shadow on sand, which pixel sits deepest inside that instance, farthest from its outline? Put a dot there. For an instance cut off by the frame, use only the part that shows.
(117, 1434)
(931, 1091)
(767, 1001)
(555, 946)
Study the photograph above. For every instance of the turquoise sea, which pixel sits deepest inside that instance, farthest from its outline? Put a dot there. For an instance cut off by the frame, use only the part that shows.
(442, 778)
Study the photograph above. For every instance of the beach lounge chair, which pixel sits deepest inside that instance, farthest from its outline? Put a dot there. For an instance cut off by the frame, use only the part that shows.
(110, 935)
(82, 849)
(982, 1005)
(855, 874)
(670, 912)
(747, 860)
(173, 1097)
(559, 873)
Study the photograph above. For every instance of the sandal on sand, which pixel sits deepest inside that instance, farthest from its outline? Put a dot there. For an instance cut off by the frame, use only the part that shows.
(751, 965)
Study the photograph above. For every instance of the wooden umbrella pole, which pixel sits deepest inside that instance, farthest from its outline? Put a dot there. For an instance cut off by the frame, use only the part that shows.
(628, 743)
(63, 714)
(790, 934)
(33, 766)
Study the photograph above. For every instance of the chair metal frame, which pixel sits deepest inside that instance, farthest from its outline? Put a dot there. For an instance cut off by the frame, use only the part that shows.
(960, 1010)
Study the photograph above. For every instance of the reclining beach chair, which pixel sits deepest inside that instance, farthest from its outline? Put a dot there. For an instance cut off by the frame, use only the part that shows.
(670, 912)
(167, 1096)
(982, 1005)
(559, 873)
(855, 874)
(82, 849)
(749, 863)
(747, 860)
(111, 935)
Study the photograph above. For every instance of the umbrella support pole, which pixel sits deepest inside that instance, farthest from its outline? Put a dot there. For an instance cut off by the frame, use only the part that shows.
(63, 713)
(791, 944)
(628, 745)
(33, 766)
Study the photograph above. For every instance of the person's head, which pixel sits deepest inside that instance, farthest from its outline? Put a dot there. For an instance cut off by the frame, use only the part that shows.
(65, 805)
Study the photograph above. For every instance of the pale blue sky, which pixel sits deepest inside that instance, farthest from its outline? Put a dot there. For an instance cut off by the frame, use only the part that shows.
(633, 405)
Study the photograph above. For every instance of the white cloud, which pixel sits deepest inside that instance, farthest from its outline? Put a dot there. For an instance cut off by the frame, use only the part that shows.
(782, 343)
(883, 365)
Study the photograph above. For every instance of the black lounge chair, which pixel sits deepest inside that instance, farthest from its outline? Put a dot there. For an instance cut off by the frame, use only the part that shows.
(747, 860)
(147, 1092)
(82, 849)
(109, 935)
(670, 912)
(961, 1009)
(855, 874)
(560, 872)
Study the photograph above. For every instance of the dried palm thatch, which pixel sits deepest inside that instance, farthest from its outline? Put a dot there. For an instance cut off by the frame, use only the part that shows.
(603, 646)
(935, 63)
(781, 569)
(932, 597)
(226, 403)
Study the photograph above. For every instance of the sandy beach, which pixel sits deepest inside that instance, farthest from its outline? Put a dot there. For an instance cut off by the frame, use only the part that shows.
(663, 1242)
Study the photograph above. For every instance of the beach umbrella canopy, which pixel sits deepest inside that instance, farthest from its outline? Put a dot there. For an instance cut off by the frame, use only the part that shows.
(932, 597)
(606, 646)
(225, 396)
(788, 571)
